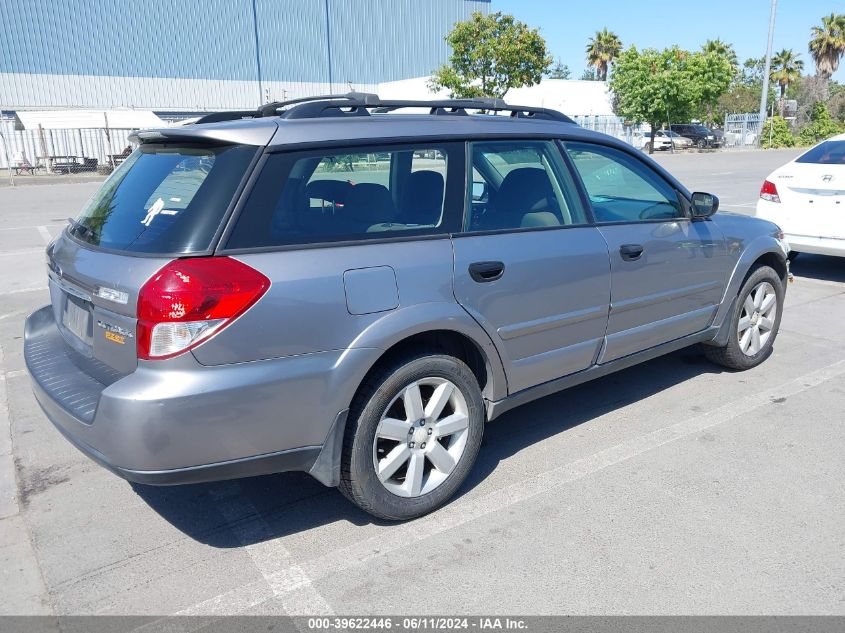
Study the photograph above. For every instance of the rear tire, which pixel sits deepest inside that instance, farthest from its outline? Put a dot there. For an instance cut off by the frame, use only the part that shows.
(754, 324)
(414, 432)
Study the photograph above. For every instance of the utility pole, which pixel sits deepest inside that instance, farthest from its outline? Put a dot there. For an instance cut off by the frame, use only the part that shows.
(764, 98)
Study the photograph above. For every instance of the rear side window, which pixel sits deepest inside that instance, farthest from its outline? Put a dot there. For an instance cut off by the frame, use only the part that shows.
(164, 199)
(520, 185)
(350, 194)
(827, 153)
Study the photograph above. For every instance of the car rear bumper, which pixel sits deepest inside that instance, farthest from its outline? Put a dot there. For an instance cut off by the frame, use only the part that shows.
(816, 245)
(169, 423)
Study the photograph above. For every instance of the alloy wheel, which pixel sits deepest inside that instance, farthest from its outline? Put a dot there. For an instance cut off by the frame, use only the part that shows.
(757, 319)
(421, 437)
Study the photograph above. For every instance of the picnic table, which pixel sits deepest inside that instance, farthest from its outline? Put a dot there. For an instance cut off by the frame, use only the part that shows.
(66, 163)
(25, 167)
(116, 159)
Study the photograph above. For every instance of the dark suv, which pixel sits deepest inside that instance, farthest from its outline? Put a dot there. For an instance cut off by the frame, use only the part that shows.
(337, 287)
(701, 135)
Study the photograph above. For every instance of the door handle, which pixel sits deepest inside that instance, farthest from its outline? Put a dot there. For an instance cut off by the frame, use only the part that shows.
(486, 271)
(631, 252)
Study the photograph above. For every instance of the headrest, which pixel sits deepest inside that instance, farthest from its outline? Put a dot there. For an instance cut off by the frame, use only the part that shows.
(369, 203)
(422, 200)
(525, 190)
(330, 190)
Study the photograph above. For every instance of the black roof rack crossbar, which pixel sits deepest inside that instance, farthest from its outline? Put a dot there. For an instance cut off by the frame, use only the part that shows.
(360, 104)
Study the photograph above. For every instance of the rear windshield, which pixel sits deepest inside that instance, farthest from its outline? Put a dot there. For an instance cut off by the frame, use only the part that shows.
(828, 153)
(164, 199)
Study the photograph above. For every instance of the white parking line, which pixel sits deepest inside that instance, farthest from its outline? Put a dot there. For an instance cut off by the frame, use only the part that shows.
(272, 559)
(31, 226)
(20, 290)
(45, 234)
(462, 512)
(739, 205)
(23, 251)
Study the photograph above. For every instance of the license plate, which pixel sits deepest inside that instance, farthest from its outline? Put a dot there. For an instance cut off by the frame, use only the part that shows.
(76, 319)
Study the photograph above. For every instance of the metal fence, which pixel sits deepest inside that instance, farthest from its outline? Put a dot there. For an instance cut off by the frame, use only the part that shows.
(743, 130)
(614, 126)
(59, 150)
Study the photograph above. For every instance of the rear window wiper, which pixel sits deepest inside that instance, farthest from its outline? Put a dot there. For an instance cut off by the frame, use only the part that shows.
(79, 228)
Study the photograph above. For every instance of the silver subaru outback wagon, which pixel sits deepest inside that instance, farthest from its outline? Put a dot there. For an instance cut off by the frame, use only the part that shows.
(344, 286)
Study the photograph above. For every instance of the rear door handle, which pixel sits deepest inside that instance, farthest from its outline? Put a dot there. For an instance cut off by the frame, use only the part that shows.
(631, 252)
(483, 272)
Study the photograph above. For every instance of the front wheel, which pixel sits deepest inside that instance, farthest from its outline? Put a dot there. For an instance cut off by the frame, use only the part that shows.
(413, 435)
(754, 323)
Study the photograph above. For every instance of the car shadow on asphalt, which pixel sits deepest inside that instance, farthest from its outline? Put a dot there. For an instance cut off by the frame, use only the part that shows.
(822, 267)
(248, 511)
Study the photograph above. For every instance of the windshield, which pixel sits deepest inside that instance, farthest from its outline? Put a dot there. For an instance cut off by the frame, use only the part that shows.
(164, 199)
(827, 153)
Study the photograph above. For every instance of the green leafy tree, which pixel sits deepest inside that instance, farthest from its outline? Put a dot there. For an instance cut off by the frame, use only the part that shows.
(827, 44)
(822, 126)
(602, 49)
(722, 49)
(752, 70)
(740, 98)
(711, 75)
(490, 55)
(559, 71)
(786, 69)
(653, 87)
(776, 133)
(589, 74)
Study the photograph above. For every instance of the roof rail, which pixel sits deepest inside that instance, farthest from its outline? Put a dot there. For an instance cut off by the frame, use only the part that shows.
(231, 115)
(272, 109)
(353, 104)
(360, 104)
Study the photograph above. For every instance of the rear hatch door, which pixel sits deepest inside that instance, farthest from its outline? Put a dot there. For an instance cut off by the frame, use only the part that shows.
(166, 200)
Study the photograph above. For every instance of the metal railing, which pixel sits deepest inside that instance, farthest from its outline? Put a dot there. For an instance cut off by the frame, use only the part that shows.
(742, 131)
(60, 151)
(615, 126)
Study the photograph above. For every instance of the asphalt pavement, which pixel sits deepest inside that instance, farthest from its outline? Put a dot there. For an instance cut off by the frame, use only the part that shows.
(673, 487)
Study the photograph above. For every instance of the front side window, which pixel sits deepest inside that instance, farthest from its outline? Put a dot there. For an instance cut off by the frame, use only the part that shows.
(519, 185)
(338, 195)
(622, 188)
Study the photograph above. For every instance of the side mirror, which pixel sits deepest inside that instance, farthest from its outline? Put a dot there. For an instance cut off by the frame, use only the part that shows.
(478, 191)
(704, 205)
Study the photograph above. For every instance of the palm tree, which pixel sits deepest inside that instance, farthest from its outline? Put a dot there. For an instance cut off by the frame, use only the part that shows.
(828, 44)
(786, 69)
(723, 49)
(602, 50)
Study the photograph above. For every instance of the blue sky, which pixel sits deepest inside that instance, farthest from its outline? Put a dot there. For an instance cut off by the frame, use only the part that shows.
(661, 23)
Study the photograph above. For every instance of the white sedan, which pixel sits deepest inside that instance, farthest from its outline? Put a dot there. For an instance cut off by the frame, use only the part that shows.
(806, 198)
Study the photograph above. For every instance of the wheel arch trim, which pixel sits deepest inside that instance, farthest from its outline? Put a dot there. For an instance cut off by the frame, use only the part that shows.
(754, 252)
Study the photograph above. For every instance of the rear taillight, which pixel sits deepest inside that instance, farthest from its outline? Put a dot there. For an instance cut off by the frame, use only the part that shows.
(190, 300)
(769, 192)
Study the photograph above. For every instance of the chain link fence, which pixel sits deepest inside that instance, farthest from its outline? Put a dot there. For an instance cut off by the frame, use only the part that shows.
(28, 152)
(615, 126)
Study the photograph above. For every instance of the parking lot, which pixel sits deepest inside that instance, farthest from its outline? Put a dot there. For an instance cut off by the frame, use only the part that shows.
(673, 487)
